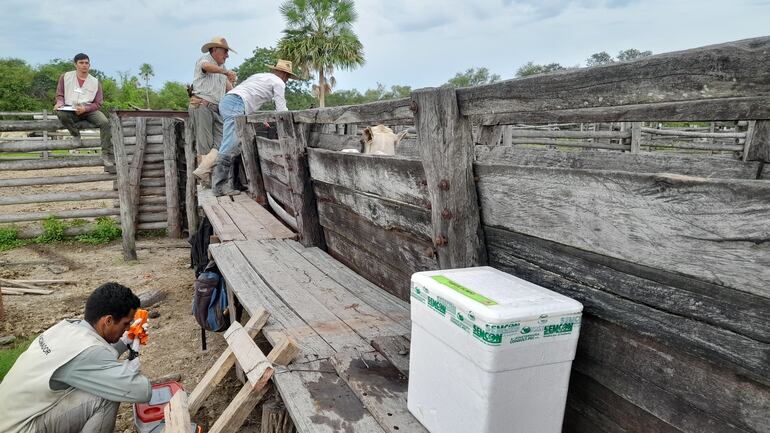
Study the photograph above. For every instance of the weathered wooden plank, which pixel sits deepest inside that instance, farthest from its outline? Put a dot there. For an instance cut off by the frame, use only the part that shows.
(400, 249)
(489, 135)
(43, 145)
(380, 386)
(50, 163)
(446, 146)
(191, 202)
(280, 192)
(221, 367)
(253, 294)
(127, 221)
(759, 142)
(384, 213)
(693, 134)
(57, 180)
(135, 171)
(57, 197)
(275, 228)
(293, 140)
(395, 348)
(567, 143)
(728, 349)
(708, 303)
(393, 111)
(334, 142)
(154, 127)
(177, 414)
(733, 69)
(246, 135)
(249, 226)
(172, 178)
(223, 224)
(723, 109)
(386, 176)
(385, 303)
(648, 162)
(714, 230)
(151, 217)
(30, 125)
(155, 149)
(363, 319)
(320, 402)
(390, 278)
(538, 133)
(269, 168)
(270, 150)
(205, 197)
(251, 359)
(151, 139)
(290, 288)
(690, 381)
(152, 226)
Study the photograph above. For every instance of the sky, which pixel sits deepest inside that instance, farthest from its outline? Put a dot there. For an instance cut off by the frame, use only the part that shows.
(420, 43)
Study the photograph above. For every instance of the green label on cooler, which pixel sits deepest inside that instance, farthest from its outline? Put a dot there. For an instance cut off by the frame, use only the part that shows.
(491, 338)
(557, 329)
(468, 293)
(437, 305)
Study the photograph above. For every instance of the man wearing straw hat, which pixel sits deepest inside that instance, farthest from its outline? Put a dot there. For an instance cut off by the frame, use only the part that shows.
(246, 98)
(210, 82)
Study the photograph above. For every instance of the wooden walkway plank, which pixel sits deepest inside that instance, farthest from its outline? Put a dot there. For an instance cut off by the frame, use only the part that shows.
(255, 294)
(381, 387)
(320, 402)
(333, 330)
(223, 225)
(395, 348)
(387, 304)
(251, 359)
(205, 196)
(356, 313)
(250, 227)
(273, 225)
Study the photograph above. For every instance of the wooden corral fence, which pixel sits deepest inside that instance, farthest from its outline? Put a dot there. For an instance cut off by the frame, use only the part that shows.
(42, 137)
(668, 251)
(149, 151)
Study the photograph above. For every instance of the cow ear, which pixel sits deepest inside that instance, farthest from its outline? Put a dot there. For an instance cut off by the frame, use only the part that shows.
(367, 134)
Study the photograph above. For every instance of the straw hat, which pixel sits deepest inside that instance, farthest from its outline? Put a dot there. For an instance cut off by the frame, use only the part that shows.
(217, 42)
(284, 66)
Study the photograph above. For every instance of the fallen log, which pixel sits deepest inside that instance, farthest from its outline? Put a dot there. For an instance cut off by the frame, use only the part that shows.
(151, 297)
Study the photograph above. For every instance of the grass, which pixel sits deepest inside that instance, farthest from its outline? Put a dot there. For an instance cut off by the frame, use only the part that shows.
(8, 356)
(105, 231)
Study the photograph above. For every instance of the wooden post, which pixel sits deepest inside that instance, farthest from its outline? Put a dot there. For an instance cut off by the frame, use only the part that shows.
(636, 137)
(293, 140)
(447, 150)
(275, 417)
(135, 177)
(172, 178)
(191, 197)
(250, 156)
(507, 135)
(758, 142)
(124, 190)
(490, 135)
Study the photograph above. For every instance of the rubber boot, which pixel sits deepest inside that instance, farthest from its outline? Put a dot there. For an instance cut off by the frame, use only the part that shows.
(203, 172)
(220, 177)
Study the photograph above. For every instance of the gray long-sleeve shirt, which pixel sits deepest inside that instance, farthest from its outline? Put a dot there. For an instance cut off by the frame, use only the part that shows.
(97, 371)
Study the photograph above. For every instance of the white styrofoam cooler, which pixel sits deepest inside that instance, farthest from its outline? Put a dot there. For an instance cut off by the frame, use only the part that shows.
(490, 353)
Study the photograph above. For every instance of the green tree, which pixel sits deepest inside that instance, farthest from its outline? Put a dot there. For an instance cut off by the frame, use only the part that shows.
(319, 38)
(632, 54)
(146, 72)
(598, 59)
(172, 96)
(529, 69)
(16, 86)
(472, 77)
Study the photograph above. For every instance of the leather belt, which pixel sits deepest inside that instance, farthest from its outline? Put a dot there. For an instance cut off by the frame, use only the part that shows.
(196, 101)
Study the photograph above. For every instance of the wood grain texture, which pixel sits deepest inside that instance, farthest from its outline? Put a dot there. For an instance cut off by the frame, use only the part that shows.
(280, 191)
(262, 217)
(190, 198)
(251, 359)
(57, 180)
(320, 402)
(51, 163)
(43, 145)
(334, 142)
(759, 142)
(250, 154)
(714, 230)
(648, 162)
(733, 69)
(293, 139)
(137, 160)
(446, 145)
(176, 414)
(395, 348)
(385, 176)
(381, 388)
(172, 178)
(253, 293)
(127, 222)
(395, 111)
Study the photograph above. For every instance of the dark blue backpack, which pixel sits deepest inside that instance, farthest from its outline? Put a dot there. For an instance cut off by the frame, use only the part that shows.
(210, 302)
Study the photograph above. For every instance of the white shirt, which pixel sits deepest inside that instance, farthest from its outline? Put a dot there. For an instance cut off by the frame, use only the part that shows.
(261, 88)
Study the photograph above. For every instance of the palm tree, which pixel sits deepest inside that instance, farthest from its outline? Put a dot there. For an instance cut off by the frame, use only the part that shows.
(319, 38)
(146, 72)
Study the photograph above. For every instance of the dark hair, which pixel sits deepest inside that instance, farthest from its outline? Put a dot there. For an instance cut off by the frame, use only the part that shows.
(81, 56)
(110, 299)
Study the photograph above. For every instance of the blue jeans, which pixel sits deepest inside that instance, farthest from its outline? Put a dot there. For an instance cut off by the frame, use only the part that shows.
(230, 106)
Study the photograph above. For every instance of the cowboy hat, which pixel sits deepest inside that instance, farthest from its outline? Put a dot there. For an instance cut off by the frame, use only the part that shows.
(217, 42)
(284, 66)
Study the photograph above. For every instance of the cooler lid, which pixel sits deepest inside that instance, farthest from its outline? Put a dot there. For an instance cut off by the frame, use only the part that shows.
(493, 295)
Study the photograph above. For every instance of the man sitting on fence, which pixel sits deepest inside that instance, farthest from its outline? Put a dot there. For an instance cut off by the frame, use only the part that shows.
(211, 81)
(69, 379)
(78, 100)
(246, 98)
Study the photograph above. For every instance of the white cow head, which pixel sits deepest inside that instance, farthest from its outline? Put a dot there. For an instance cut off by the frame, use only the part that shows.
(380, 140)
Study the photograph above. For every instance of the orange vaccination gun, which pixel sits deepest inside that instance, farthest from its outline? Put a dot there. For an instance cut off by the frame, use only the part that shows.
(137, 326)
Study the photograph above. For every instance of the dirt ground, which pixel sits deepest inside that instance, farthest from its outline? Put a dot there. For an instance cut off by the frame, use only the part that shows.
(163, 263)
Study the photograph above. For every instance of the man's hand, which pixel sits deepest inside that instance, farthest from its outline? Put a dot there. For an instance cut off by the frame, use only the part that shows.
(80, 109)
(58, 105)
(231, 77)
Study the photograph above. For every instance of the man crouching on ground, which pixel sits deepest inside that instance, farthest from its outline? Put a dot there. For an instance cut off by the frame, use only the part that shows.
(70, 379)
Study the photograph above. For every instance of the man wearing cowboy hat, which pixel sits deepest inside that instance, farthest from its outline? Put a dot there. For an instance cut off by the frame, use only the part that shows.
(210, 82)
(246, 98)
